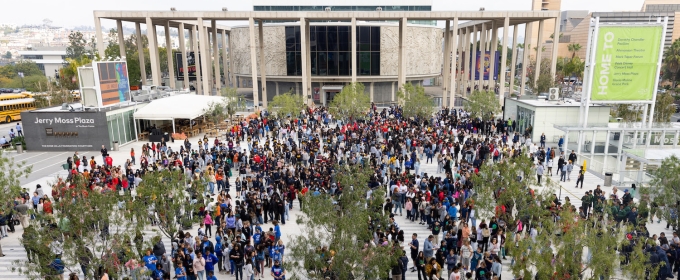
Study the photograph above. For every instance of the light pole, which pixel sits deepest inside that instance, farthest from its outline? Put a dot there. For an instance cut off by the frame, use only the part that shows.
(21, 74)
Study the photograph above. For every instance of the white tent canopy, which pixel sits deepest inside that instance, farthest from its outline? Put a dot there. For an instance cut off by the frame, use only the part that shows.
(182, 106)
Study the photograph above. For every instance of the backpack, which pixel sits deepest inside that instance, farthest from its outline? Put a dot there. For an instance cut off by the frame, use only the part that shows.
(486, 232)
(496, 153)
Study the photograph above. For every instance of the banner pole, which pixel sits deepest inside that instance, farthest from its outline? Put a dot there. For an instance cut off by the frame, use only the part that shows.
(590, 61)
(658, 70)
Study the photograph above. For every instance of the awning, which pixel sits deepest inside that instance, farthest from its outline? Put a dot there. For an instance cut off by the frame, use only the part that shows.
(181, 106)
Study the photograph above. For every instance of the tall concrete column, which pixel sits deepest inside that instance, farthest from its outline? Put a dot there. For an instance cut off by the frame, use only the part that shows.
(504, 60)
(525, 56)
(308, 71)
(447, 62)
(183, 49)
(253, 63)
(263, 64)
(473, 65)
(459, 61)
(171, 66)
(100, 38)
(197, 61)
(216, 58)
(370, 92)
(225, 59)
(206, 49)
(232, 64)
(467, 61)
(203, 43)
(121, 38)
(140, 51)
(479, 67)
(539, 51)
(153, 52)
(493, 47)
(556, 43)
(305, 56)
(402, 52)
(454, 46)
(513, 58)
(354, 50)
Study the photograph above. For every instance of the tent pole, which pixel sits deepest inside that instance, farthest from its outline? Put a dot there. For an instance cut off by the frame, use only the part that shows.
(134, 122)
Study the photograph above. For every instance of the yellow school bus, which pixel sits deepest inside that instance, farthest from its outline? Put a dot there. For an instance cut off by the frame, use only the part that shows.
(10, 110)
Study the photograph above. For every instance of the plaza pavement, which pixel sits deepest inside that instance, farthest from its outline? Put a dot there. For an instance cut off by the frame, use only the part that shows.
(50, 165)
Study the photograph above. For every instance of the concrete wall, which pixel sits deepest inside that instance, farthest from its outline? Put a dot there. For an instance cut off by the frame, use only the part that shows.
(91, 128)
(274, 50)
(424, 51)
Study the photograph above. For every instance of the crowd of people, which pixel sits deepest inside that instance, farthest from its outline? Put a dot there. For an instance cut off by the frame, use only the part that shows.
(254, 173)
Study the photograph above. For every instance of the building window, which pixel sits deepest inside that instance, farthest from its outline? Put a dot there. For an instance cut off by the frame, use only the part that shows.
(33, 56)
(41, 66)
(368, 50)
(330, 50)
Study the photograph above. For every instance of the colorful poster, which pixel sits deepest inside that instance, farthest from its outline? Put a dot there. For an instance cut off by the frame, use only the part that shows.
(191, 61)
(486, 65)
(626, 60)
(113, 82)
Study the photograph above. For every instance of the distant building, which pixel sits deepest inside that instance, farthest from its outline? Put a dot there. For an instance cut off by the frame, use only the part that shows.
(48, 60)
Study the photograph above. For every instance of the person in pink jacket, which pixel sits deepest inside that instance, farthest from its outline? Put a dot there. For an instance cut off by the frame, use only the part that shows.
(208, 221)
(199, 265)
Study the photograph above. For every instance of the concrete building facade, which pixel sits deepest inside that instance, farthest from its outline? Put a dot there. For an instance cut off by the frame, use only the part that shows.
(404, 52)
(49, 61)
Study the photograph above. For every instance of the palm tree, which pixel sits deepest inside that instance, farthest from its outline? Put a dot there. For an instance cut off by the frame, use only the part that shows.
(573, 48)
(671, 59)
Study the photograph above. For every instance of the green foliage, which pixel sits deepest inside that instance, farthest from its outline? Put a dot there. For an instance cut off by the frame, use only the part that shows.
(69, 74)
(19, 140)
(344, 231)
(482, 104)
(53, 97)
(628, 113)
(9, 179)
(287, 104)
(574, 67)
(574, 48)
(664, 188)
(671, 62)
(77, 46)
(415, 102)
(7, 55)
(233, 101)
(351, 103)
(664, 108)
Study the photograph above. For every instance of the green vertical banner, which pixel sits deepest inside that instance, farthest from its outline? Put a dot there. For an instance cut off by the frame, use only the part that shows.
(626, 60)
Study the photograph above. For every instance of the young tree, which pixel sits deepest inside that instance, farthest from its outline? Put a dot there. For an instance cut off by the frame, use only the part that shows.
(76, 48)
(351, 103)
(232, 101)
(671, 62)
(68, 77)
(346, 232)
(416, 104)
(287, 104)
(664, 107)
(665, 189)
(574, 48)
(8, 55)
(482, 104)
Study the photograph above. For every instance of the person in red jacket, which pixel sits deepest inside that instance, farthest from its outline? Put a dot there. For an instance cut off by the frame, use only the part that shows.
(109, 160)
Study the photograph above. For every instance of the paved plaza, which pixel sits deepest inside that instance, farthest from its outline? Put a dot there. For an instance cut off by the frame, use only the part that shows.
(47, 167)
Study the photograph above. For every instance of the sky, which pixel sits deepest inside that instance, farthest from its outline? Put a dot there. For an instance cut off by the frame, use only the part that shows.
(71, 13)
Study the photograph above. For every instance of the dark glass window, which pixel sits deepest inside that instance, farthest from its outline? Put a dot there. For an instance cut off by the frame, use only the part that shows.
(321, 39)
(364, 38)
(298, 64)
(344, 39)
(312, 38)
(364, 63)
(290, 63)
(344, 59)
(375, 38)
(332, 63)
(297, 38)
(322, 63)
(332, 32)
(375, 63)
(290, 38)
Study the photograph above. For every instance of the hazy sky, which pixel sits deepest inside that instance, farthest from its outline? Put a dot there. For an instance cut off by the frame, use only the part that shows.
(69, 13)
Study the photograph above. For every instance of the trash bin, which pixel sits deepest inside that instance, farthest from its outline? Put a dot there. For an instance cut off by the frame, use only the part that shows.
(20, 148)
(116, 145)
(608, 179)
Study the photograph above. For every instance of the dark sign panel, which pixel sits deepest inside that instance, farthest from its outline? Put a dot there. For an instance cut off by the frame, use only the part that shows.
(65, 131)
(192, 60)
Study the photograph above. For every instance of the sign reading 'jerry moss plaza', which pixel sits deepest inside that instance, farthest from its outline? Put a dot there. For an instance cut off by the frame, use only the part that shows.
(65, 131)
(626, 63)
